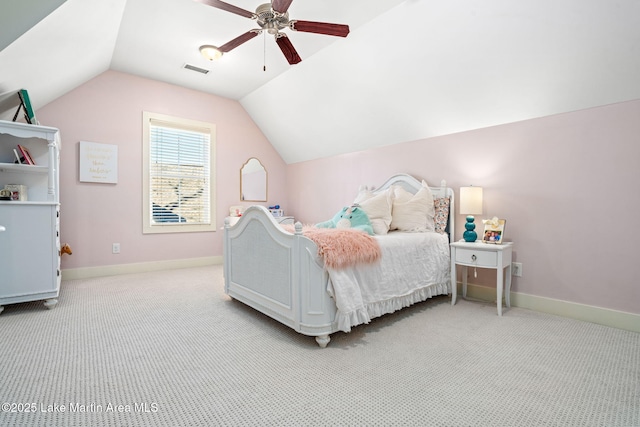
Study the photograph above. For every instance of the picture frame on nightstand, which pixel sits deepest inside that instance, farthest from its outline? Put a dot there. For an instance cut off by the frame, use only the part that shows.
(493, 231)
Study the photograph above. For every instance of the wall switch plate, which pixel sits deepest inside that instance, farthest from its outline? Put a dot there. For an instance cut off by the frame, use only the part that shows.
(115, 248)
(516, 269)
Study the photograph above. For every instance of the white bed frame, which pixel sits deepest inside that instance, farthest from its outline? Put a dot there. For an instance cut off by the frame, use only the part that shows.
(281, 275)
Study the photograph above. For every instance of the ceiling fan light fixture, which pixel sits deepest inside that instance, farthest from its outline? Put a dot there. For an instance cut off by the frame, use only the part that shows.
(271, 29)
(273, 17)
(210, 52)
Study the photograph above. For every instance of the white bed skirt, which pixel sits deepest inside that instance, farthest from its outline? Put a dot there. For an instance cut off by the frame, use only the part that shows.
(346, 321)
(414, 267)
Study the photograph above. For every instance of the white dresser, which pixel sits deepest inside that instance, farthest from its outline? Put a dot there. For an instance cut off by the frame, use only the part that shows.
(30, 242)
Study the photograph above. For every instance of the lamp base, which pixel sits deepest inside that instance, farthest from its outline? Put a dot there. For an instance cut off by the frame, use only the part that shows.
(470, 235)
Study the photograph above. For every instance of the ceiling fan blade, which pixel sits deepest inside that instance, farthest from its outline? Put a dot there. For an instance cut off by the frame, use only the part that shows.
(288, 50)
(238, 41)
(228, 8)
(339, 30)
(281, 6)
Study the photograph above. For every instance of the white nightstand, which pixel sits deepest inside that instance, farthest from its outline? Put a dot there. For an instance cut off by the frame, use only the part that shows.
(482, 255)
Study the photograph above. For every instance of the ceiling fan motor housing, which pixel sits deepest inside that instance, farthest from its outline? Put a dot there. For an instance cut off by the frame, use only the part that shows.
(271, 21)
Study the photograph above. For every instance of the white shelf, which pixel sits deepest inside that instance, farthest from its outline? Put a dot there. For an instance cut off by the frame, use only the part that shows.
(23, 130)
(31, 235)
(17, 202)
(8, 167)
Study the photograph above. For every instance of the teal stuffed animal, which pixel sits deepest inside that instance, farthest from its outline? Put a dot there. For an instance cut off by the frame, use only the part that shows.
(349, 217)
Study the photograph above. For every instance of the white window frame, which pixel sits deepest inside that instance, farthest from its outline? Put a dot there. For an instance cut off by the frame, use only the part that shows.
(149, 226)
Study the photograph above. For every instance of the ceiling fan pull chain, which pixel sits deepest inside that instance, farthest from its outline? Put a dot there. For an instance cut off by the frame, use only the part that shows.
(264, 52)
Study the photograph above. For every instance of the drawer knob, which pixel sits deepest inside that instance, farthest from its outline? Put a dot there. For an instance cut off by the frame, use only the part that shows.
(473, 257)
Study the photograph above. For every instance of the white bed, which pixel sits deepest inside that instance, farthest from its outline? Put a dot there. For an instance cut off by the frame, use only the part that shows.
(281, 274)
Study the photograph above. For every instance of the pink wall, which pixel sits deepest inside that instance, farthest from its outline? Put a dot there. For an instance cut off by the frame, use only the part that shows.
(566, 184)
(108, 109)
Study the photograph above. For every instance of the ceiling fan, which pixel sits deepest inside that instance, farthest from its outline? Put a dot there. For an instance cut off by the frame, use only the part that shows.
(273, 18)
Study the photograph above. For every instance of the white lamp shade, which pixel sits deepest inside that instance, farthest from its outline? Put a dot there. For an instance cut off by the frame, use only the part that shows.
(471, 200)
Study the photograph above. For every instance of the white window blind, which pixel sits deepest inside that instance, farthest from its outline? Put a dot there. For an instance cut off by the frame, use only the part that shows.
(179, 175)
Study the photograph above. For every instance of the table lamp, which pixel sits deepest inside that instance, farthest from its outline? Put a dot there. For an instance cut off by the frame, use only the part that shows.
(470, 204)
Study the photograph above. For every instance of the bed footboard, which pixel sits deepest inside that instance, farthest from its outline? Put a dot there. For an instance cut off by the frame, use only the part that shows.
(278, 273)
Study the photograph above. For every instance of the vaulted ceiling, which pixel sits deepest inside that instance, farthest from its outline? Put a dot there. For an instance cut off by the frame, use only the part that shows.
(409, 69)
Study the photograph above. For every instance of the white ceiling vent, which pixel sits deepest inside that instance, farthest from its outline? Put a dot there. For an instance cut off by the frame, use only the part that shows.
(194, 68)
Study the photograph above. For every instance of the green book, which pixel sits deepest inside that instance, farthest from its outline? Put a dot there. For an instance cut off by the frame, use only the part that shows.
(28, 110)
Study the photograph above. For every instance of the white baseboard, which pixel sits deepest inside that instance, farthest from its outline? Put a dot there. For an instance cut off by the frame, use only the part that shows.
(114, 270)
(587, 313)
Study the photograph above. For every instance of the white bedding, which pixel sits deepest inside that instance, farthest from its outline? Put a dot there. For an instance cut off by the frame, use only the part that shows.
(413, 268)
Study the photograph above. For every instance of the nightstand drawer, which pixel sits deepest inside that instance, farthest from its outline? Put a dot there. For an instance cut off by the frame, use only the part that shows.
(477, 258)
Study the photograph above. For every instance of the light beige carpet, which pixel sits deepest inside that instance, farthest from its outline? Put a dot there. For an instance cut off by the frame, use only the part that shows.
(170, 349)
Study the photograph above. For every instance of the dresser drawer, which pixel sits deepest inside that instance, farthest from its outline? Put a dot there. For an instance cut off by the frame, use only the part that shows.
(477, 258)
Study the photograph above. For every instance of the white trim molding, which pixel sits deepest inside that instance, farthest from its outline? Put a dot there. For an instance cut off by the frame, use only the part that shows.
(572, 310)
(114, 270)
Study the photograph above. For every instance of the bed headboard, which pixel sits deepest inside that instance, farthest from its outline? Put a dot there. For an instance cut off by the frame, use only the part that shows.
(413, 185)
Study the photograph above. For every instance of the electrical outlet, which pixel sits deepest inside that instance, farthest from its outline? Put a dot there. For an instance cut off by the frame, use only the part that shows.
(516, 269)
(116, 248)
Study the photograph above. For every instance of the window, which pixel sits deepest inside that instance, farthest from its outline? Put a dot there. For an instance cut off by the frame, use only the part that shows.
(178, 165)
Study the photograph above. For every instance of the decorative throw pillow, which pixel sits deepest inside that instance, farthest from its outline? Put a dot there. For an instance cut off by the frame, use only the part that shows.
(441, 218)
(412, 212)
(377, 207)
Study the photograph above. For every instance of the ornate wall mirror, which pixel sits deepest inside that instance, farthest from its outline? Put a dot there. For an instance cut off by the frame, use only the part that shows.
(253, 181)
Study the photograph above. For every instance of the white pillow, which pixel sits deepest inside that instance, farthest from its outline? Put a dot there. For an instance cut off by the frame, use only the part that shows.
(377, 207)
(412, 212)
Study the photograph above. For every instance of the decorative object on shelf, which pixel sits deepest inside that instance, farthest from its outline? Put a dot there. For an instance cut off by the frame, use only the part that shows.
(18, 192)
(26, 155)
(470, 204)
(19, 101)
(19, 159)
(5, 195)
(493, 230)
